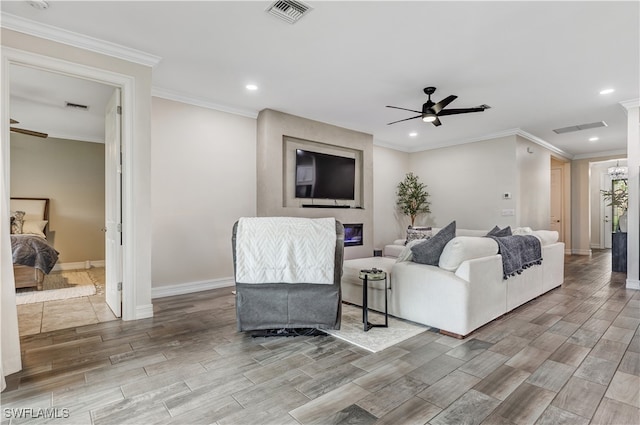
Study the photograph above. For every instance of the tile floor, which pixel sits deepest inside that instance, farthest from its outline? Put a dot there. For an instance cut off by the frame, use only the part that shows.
(62, 314)
(571, 356)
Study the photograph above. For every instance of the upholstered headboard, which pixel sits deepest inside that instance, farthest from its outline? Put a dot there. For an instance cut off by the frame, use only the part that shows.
(36, 209)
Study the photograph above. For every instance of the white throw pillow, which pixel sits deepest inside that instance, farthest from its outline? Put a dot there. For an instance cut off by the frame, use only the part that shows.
(463, 248)
(406, 254)
(34, 227)
(522, 231)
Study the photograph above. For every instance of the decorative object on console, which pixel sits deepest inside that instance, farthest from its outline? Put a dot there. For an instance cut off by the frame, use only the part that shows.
(429, 251)
(618, 198)
(412, 197)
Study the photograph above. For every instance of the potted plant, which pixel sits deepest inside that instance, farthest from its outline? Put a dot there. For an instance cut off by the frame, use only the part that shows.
(618, 197)
(412, 197)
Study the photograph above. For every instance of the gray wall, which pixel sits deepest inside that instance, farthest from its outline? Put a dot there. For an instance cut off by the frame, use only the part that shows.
(271, 190)
(71, 174)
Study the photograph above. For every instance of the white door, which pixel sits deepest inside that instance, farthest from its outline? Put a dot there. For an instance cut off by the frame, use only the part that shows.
(113, 202)
(606, 212)
(556, 202)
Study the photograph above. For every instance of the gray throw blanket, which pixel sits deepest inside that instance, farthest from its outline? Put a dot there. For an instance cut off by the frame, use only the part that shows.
(33, 251)
(518, 253)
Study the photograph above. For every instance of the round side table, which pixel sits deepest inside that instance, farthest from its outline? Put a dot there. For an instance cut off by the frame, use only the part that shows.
(370, 275)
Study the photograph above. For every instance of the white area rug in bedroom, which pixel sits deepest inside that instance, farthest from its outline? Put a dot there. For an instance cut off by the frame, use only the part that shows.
(376, 339)
(59, 286)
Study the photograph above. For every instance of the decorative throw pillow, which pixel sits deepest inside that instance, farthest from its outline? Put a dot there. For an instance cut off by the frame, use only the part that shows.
(17, 222)
(498, 233)
(406, 254)
(429, 251)
(414, 233)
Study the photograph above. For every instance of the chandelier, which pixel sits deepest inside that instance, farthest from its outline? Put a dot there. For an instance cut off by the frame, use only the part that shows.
(618, 172)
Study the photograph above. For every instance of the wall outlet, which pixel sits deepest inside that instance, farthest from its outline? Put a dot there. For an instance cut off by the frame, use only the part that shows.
(506, 195)
(508, 212)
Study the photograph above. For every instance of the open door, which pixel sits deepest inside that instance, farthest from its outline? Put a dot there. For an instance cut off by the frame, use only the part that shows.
(556, 222)
(113, 202)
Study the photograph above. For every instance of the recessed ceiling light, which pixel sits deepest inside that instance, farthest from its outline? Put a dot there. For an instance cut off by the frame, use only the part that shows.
(251, 87)
(413, 134)
(594, 139)
(606, 91)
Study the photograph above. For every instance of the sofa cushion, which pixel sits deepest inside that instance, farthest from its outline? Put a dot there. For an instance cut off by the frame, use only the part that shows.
(463, 248)
(547, 237)
(428, 252)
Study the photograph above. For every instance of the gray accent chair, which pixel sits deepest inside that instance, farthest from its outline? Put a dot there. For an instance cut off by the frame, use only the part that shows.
(280, 305)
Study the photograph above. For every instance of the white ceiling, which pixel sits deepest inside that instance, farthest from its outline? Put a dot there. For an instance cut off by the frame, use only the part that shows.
(539, 65)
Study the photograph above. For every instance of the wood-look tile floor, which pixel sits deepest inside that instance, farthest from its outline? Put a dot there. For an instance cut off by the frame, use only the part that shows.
(62, 314)
(570, 356)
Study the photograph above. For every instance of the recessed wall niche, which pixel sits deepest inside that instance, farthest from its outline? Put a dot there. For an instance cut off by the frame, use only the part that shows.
(298, 184)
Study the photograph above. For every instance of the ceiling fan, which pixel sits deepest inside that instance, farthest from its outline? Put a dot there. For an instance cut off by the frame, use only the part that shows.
(25, 131)
(431, 111)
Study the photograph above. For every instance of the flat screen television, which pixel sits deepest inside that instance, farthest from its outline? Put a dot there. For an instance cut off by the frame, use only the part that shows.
(324, 176)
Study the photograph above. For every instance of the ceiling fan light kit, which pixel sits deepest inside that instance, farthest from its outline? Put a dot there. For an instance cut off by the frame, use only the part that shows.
(432, 111)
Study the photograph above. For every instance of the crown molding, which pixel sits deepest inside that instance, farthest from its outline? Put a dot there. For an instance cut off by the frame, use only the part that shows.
(628, 104)
(602, 154)
(543, 143)
(497, 135)
(179, 97)
(59, 35)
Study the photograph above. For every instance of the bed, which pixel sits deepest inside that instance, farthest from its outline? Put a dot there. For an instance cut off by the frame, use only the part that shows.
(33, 255)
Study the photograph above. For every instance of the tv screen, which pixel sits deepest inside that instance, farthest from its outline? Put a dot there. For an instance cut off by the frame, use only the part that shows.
(324, 176)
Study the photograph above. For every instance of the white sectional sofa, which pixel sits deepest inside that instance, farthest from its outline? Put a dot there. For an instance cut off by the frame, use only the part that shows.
(465, 291)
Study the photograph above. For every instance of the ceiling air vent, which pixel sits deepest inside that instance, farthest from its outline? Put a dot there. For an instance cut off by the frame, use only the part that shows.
(288, 10)
(76, 106)
(580, 127)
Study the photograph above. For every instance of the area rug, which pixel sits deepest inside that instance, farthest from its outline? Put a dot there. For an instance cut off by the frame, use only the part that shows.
(59, 286)
(376, 339)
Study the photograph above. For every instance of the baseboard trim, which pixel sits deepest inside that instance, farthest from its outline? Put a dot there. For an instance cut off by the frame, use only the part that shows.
(191, 287)
(80, 265)
(568, 251)
(633, 284)
(144, 311)
(581, 251)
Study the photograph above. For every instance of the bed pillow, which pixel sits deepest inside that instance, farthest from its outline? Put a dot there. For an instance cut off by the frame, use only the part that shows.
(429, 251)
(17, 222)
(415, 233)
(34, 227)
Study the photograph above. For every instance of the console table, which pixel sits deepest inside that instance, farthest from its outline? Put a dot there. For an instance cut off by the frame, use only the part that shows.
(619, 252)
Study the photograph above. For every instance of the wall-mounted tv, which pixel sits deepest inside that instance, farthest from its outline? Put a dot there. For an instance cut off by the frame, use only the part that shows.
(324, 176)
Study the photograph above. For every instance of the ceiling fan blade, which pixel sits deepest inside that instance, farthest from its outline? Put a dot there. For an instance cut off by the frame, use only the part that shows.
(29, 132)
(406, 119)
(436, 122)
(13, 121)
(443, 103)
(460, 111)
(404, 109)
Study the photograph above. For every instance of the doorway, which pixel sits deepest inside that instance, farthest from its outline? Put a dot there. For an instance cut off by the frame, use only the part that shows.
(12, 57)
(67, 165)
